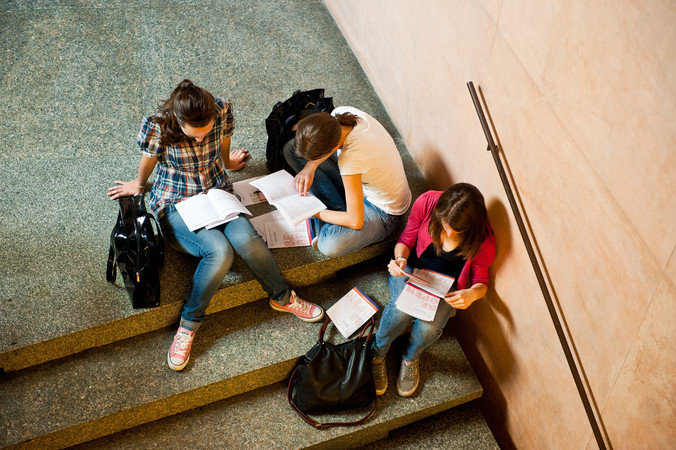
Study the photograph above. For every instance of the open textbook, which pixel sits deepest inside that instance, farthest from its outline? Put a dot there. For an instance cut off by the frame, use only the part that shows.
(277, 232)
(211, 209)
(351, 311)
(280, 192)
(422, 293)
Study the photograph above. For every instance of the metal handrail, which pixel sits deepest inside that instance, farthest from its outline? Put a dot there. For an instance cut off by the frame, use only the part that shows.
(574, 364)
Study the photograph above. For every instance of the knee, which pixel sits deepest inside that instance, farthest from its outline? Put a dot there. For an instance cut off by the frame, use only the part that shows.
(331, 248)
(220, 256)
(289, 151)
(429, 334)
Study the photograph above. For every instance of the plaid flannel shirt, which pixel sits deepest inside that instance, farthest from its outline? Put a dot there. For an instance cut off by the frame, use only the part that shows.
(189, 167)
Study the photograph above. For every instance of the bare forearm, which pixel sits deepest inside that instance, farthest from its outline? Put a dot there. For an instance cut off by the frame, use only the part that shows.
(341, 218)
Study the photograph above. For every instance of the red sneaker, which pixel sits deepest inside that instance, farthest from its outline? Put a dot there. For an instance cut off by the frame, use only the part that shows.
(304, 310)
(179, 352)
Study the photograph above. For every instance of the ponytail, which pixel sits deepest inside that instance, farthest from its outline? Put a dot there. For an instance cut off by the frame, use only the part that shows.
(188, 104)
(318, 134)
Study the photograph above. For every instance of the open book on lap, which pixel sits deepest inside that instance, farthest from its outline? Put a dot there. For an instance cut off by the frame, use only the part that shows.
(279, 190)
(210, 209)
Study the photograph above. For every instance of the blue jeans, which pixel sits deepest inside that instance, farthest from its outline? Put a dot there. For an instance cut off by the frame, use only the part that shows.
(327, 186)
(394, 322)
(216, 248)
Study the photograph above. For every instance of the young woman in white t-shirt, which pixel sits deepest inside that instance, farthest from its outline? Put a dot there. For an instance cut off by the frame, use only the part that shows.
(350, 162)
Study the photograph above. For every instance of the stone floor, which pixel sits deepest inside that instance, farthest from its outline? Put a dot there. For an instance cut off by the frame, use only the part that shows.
(77, 77)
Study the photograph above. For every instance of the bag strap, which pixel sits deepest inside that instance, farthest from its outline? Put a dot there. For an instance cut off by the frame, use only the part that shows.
(160, 237)
(322, 425)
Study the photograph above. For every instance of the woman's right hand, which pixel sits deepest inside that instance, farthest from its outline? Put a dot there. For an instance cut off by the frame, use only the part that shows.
(396, 267)
(303, 180)
(124, 189)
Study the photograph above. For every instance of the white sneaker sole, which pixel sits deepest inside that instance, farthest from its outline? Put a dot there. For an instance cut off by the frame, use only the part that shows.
(173, 366)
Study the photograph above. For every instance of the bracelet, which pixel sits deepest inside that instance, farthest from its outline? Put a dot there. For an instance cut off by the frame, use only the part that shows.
(399, 257)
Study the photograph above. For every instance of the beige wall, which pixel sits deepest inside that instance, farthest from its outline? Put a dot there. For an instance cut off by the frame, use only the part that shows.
(583, 98)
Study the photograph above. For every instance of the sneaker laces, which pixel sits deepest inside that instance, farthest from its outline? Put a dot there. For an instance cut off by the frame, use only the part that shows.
(409, 371)
(379, 372)
(300, 304)
(182, 343)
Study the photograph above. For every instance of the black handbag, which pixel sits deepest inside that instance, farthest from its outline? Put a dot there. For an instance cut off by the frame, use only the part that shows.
(332, 378)
(284, 116)
(137, 249)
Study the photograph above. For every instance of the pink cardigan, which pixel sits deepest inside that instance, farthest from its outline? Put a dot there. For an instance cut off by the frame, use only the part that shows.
(416, 235)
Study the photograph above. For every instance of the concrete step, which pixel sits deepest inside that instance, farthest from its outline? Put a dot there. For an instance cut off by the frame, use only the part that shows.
(80, 323)
(73, 308)
(126, 384)
(262, 419)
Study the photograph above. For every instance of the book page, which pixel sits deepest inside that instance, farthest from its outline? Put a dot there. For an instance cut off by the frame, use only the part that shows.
(196, 211)
(227, 207)
(278, 188)
(211, 209)
(433, 282)
(417, 302)
(276, 185)
(418, 281)
(351, 312)
(249, 194)
(296, 209)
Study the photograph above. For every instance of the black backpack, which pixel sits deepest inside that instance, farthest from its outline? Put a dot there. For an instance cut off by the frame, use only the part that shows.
(137, 249)
(282, 119)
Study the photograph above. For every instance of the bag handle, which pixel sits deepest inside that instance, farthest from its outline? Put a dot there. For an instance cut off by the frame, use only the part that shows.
(370, 324)
(322, 425)
(111, 269)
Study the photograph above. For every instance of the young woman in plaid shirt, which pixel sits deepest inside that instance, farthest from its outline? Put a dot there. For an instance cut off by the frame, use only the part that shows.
(188, 141)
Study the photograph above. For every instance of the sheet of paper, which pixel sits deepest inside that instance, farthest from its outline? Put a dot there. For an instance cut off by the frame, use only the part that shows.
(280, 233)
(277, 232)
(351, 312)
(258, 222)
(417, 302)
(249, 194)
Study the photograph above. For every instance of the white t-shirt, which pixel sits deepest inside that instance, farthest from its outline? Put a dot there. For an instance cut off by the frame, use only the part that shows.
(369, 150)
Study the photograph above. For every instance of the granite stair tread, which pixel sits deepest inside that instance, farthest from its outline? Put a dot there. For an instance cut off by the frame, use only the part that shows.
(86, 396)
(93, 325)
(262, 419)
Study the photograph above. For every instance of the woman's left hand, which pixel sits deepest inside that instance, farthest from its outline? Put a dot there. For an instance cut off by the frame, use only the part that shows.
(237, 159)
(460, 299)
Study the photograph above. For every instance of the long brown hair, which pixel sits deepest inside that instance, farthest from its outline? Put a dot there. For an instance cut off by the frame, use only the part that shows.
(319, 133)
(187, 105)
(462, 207)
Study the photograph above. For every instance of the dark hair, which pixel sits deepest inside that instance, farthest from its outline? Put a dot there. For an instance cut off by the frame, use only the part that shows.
(187, 105)
(319, 133)
(462, 207)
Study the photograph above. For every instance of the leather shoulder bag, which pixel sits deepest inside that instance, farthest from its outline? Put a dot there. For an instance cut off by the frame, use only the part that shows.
(333, 378)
